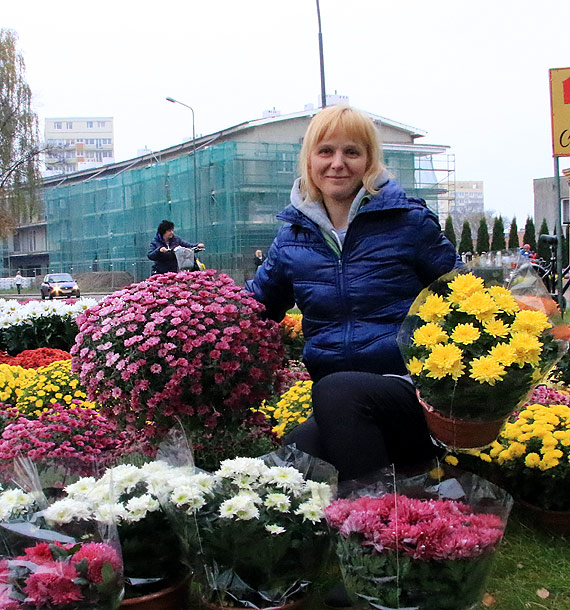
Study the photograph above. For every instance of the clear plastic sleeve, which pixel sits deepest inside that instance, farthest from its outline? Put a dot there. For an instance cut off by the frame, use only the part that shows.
(48, 565)
(477, 340)
(421, 542)
(254, 531)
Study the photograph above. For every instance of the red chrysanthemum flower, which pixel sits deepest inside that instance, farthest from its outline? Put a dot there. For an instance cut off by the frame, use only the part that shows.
(53, 584)
(97, 555)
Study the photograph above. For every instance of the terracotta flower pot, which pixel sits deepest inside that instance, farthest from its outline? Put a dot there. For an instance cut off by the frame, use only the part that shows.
(461, 433)
(555, 521)
(175, 597)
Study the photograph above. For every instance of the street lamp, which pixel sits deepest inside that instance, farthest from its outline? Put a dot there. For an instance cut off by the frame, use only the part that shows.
(322, 61)
(171, 99)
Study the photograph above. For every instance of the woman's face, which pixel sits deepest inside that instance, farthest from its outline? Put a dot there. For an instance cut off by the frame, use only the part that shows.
(337, 166)
(168, 235)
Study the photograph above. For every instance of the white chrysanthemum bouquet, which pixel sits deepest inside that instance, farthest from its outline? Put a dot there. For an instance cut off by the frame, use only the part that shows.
(256, 533)
(474, 351)
(54, 565)
(131, 497)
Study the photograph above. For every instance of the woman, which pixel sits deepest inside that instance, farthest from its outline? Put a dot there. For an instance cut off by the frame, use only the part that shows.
(354, 254)
(161, 250)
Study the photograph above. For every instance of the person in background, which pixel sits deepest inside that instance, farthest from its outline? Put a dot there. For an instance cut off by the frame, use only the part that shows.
(258, 259)
(353, 255)
(19, 280)
(525, 251)
(161, 250)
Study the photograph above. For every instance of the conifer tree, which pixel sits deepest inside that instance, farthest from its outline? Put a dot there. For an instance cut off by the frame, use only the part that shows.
(466, 241)
(498, 239)
(529, 236)
(483, 236)
(449, 231)
(542, 249)
(513, 236)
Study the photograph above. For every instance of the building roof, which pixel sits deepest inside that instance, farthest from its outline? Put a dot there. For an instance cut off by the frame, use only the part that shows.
(202, 141)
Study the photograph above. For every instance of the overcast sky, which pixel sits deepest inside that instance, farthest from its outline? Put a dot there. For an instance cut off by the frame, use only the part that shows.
(473, 75)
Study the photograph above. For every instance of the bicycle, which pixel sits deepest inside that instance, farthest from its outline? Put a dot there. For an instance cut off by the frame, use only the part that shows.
(548, 271)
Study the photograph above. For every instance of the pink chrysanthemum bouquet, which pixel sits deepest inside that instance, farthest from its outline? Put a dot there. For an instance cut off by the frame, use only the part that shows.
(427, 546)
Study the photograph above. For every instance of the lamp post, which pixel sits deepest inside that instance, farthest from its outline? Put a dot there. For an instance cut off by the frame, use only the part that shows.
(322, 60)
(171, 99)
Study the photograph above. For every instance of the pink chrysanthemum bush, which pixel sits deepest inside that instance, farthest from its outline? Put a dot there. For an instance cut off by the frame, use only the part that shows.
(191, 346)
(72, 440)
(427, 547)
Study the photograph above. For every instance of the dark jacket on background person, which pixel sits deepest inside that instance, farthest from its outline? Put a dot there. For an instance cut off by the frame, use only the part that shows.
(353, 296)
(165, 261)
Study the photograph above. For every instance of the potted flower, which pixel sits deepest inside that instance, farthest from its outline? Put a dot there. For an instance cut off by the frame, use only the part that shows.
(256, 533)
(474, 353)
(35, 324)
(130, 496)
(419, 549)
(292, 333)
(293, 407)
(51, 568)
(64, 442)
(531, 459)
(35, 358)
(190, 347)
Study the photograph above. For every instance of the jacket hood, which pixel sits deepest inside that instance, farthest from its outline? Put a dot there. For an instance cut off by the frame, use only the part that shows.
(390, 196)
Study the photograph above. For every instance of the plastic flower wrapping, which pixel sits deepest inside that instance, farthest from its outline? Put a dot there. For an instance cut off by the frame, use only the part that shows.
(254, 531)
(64, 441)
(51, 565)
(422, 542)
(475, 350)
(131, 496)
(181, 346)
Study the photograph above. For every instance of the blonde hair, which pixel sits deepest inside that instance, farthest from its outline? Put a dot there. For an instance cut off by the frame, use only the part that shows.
(355, 125)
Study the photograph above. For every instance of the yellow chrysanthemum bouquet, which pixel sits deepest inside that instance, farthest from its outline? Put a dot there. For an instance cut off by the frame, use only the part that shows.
(474, 353)
(531, 457)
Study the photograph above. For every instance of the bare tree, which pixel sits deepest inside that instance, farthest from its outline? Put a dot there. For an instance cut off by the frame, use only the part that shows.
(19, 139)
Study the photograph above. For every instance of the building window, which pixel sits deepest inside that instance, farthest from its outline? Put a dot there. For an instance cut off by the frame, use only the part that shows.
(89, 124)
(57, 125)
(69, 125)
(101, 124)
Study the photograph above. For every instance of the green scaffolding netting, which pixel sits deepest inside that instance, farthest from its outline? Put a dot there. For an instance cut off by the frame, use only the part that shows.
(107, 223)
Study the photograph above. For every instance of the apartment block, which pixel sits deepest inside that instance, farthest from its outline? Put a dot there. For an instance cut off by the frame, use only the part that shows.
(77, 143)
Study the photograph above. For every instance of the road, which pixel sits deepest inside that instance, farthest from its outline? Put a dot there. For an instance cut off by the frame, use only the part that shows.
(36, 297)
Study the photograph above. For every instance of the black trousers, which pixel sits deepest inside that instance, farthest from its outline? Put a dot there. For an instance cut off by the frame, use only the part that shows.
(362, 422)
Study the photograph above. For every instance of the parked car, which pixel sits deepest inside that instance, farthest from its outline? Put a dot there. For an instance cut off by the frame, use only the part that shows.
(59, 285)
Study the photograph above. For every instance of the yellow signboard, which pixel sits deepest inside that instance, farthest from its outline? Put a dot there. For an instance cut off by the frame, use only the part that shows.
(560, 108)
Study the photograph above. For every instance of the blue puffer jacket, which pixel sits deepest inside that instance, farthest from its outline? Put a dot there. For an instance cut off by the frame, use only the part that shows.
(353, 302)
(165, 261)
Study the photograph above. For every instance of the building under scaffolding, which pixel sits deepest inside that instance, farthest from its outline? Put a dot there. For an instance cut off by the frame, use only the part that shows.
(104, 219)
